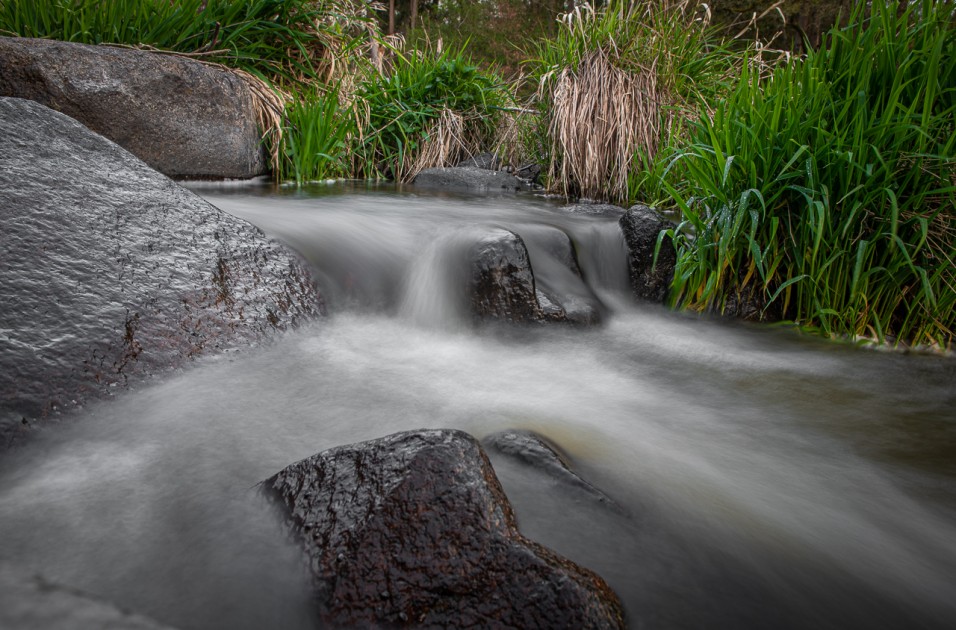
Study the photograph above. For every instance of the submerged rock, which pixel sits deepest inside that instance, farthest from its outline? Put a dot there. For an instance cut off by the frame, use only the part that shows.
(182, 117)
(33, 603)
(468, 179)
(110, 271)
(641, 226)
(533, 450)
(414, 530)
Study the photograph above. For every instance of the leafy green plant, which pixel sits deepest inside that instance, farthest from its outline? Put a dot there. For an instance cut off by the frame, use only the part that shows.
(428, 104)
(827, 191)
(315, 133)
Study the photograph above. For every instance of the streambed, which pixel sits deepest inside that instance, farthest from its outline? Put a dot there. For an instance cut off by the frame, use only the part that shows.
(769, 480)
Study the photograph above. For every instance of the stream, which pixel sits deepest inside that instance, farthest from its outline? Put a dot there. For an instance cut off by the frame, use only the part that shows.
(768, 479)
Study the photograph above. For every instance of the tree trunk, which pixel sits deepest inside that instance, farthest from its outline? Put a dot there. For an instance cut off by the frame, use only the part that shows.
(414, 14)
(391, 17)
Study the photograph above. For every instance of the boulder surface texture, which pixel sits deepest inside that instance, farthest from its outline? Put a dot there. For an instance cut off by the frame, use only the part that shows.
(110, 270)
(414, 530)
(641, 226)
(183, 118)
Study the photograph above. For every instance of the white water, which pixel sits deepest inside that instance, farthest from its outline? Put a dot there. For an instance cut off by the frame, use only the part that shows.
(770, 481)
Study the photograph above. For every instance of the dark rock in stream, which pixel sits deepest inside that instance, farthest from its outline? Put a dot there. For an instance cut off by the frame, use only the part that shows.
(533, 450)
(502, 283)
(414, 530)
(110, 271)
(503, 286)
(34, 603)
(468, 179)
(183, 118)
(642, 226)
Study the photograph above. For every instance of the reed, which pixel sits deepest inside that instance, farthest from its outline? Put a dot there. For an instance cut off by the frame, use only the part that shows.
(827, 191)
(616, 84)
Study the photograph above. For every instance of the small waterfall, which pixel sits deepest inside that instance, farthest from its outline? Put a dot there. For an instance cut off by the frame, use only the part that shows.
(435, 283)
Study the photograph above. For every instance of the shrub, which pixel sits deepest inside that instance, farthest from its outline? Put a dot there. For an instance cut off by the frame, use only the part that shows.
(429, 109)
(828, 190)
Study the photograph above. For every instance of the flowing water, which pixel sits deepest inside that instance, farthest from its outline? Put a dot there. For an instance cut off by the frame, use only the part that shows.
(768, 480)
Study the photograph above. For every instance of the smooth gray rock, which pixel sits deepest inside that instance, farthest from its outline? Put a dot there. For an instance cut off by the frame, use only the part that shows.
(468, 179)
(110, 271)
(414, 530)
(30, 602)
(641, 227)
(183, 118)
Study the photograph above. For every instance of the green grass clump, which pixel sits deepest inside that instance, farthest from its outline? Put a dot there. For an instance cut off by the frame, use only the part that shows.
(827, 192)
(428, 108)
(315, 135)
(287, 40)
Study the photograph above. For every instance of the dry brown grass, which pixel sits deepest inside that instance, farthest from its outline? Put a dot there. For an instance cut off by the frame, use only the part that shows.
(601, 118)
(449, 139)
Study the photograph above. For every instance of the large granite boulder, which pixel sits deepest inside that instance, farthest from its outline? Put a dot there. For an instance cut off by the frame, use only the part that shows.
(182, 117)
(110, 271)
(641, 227)
(414, 530)
(468, 179)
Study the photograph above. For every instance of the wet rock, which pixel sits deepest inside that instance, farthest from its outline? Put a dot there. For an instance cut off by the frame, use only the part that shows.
(533, 450)
(486, 161)
(559, 286)
(110, 271)
(33, 603)
(468, 179)
(641, 226)
(502, 283)
(183, 118)
(504, 288)
(414, 530)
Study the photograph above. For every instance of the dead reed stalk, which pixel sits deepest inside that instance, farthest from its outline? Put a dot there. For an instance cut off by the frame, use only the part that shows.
(604, 121)
(449, 139)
